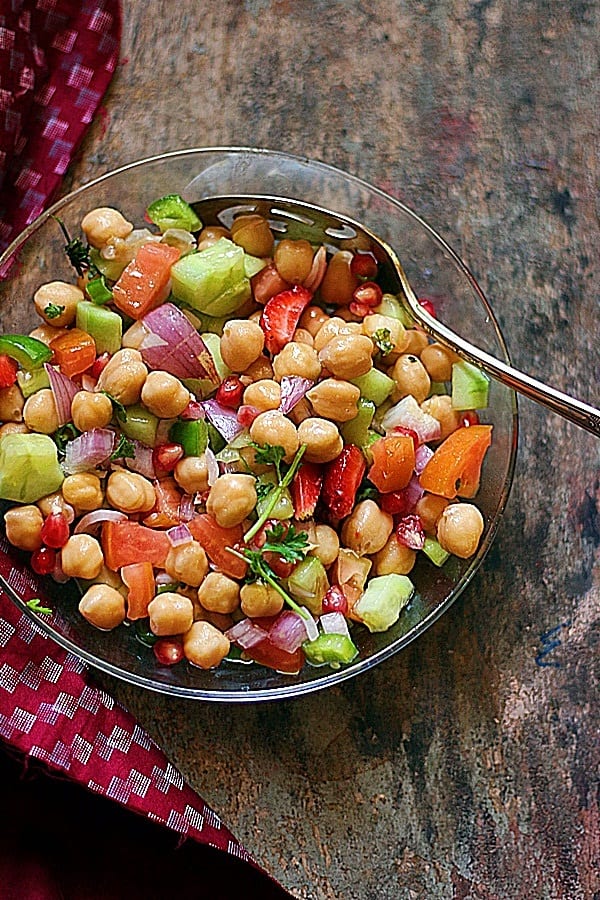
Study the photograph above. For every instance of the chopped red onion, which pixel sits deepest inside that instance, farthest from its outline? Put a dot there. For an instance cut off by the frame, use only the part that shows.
(288, 631)
(90, 449)
(293, 389)
(334, 623)
(57, 573)
(179, 534)
(317, 270)
(186, 508)
(173, 345)
(92, 521)
(413, 491)
(163, 578)
(142, 462)
(312, 632)
(224, 419)
(88, 383)
(408, 414)
(63, 390)
(423, 454)
(246, 634)
(212, 466)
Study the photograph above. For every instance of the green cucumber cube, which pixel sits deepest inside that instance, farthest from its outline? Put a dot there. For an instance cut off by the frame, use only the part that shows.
(382, 602)
(308, 584)
(330, 649)
(29, 468)
(375, 386)
(434, 550)
(213, 281)
(140, 425)
(104, 325)
(356, 431)
(173, 212)
(33, 381)
(470, 387)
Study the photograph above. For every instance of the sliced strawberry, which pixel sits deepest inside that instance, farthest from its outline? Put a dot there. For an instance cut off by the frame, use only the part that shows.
(8, 371)
(281, 315)
(306, 490)
(342, 480)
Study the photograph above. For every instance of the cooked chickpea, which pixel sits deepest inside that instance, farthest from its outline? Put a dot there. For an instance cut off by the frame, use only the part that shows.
(333, 328)
(191, 473)
(411, 377)
(417, 341)
(39, 412)
(242, 343)
(438, 361)
(322, 438)
(46, 333)
(130, 492)
(11, 404)
(164, 395)
(335, 399)
(267, 283)
(232, 498)
(459, 529)
(429, 509)
(394, 558)
(123, 376)
(348, 355)
(367, 529)
(170, 613)
(260, 370)
(82, 557)
(219, 594)
(264, 394)
(103, 606)
(294, 260)
(258, 599)
(297, 359)
(302, 336)
(56, 302)
(187, 563)
(272, 427)
(252, 232)
(55, 502)
(440, 407)
(391, 329)
(83, 491)
(339, 283)
(23, 526)
(301, 410)
(211, 234)
(312, 319)
(205, 646)
(13, 428)
(103, 223)
(91, 410)
(325, 540)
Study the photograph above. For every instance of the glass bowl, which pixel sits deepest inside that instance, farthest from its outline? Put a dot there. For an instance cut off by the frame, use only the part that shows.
(434, 270)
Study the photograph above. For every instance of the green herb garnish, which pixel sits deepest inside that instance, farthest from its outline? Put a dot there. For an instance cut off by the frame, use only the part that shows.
(35, 604)
(382, 340)
(292, 545)
(53, 311)
(63, 435)
(273, 456)
(119, 410)
(124, 449)
(269, 455)
(263, 489)
(76, 250)
(262, 571)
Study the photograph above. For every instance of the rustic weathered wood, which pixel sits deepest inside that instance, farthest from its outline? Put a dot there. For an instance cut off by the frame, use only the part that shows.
(467, 766)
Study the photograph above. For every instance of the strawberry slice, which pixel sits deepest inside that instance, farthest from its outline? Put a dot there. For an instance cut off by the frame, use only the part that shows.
(306, 490)
(281, 315)
(342, 480)
(8, 371)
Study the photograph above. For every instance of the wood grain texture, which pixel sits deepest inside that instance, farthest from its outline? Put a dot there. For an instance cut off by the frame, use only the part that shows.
(467, 766)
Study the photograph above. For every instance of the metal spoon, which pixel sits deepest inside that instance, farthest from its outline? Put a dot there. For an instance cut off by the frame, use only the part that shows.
(296, 219)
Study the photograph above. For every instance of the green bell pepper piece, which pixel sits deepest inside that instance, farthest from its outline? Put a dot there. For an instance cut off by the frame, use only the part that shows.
(330, 649)
(27, 351)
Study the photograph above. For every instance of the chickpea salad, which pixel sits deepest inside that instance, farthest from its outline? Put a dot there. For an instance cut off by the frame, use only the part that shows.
(237, 444)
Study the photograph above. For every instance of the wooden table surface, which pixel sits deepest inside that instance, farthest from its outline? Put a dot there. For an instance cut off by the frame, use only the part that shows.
(467, 766)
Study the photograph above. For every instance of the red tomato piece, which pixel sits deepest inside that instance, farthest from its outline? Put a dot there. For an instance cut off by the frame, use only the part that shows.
(454, 470)
(267, 654)
(393, 462)
(125, 543)
(144, 283)
(216, 540)
(139, 580)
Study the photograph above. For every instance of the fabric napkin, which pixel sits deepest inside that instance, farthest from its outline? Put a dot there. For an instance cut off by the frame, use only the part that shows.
(65, 836)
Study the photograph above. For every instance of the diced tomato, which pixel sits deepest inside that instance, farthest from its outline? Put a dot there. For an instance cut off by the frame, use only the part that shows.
(267, 654)
(125, 543)
(139, 579)
(454, 470)
(144, 283)
(165, 512)
(393, 462)
(306, 490)
(342, 480)
(216, 540)
(74, 351)
(281, 315)
(8, 371)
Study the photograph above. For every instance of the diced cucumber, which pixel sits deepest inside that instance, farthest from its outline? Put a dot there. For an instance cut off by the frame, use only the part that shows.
(104, 325)
(192, 435)
(253, 265)
(173, 212)
(284, 508)
(308, 584)
(140, 425)
(356, 431)
(375, 386)
(330, 649)
(213, 281)
(29, 467)
(470, 387)
(33, 381)
(391, 306)
(434, 550)
(382, 602)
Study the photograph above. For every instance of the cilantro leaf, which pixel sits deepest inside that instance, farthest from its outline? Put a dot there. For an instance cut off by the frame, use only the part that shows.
(77, 252)
(292, 545)
(118, 408)
(263, 489)
(63, 435)
(53, 311)
(262, 571)
(35, 604)
(269, 455)
(124, 449)
(382, 340)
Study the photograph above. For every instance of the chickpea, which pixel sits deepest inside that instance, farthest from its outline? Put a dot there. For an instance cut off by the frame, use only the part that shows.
(55, 502)
(12, 402)
(83, 491)
(170, 613)
(164, 395)
(191, 474)
(39, 412)
(103, 223)
(258, 599)
(335, 399)
(301, 410)
(91, 410)
(103, 606)
(302, 336)
(211, 234)
(376, 323)
(82, 557)
(348, 355)
(205, 646)
(438, 361)
(13, 428)
(394, 558)
(339, 283)
(333, 328)
(411, 377)
(46, 333)
(459, 529)
(367, 529)
(253, 233)
(417, 341)
(267, 283)
(263, 395)
(56, 302)
(440, 407)
(325, 540)
(260, 370)
(322, 438)
(272, 427)
(297, 359)
(312, 319)
(429, 509)
(130, 492)
(242, 342)
(23, 526)
(294, 260)
(232, 498)
(123, 376)
(187, 563)
(219, 594)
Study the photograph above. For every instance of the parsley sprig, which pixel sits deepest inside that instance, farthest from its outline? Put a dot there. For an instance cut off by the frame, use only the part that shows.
(76, 250)
(35, 604)
(124, 449)
(292, 545)
(382, 340)
(53, 310)
(262, 571)
(273, 455)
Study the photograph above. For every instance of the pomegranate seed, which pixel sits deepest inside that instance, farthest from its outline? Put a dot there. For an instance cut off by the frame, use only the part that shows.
(166, 456)
(335, 601)
(363, 265)
(230, 392)
(55, 531)
(193, 410)
(43, 561)
(469, 417)
(281, 567)
(368, 293)
(247, 414)
(168, 652)
(98, 365)
(410, 533)
(427, 306)
(359, 309)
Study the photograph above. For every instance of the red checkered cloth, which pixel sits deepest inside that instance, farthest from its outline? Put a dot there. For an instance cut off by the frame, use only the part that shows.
(56, 61)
